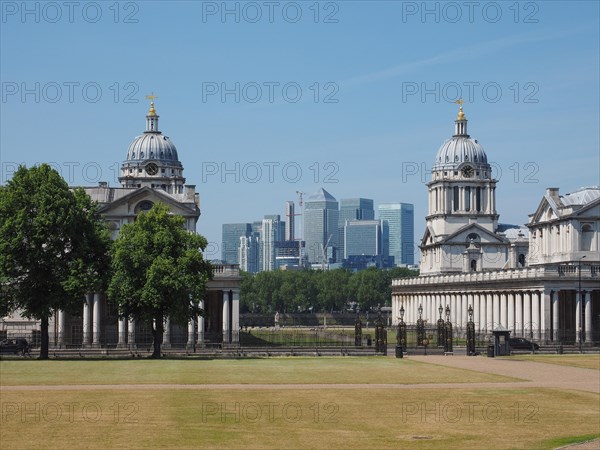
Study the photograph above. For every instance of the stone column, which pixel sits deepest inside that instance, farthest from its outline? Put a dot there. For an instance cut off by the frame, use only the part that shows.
(191, 334)
(87, 316)
(519, 313)
(588, 316)
(555, 318)
(225, 317)
(62, 329)
(511, 311)
(96, 320)
(503, 302)
(474, 302)
(131, 332)
(235, 316)
(122, 333)
(535, 314)
(166, 342)
(527, 326)
(200, 341)
(489, 311)
(496, 308)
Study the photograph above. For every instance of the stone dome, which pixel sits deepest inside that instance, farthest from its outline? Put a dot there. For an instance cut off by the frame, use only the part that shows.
(460, 149)
(152, 145)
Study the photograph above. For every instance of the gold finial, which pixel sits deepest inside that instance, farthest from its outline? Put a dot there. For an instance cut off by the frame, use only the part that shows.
(151, 97)
(461, 114)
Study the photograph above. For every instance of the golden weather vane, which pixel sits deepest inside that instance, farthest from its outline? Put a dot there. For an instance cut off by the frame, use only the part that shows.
(460, 101)
(151, 97)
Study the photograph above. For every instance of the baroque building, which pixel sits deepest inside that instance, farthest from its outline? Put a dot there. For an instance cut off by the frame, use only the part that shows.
(151, 173)
(540, 281)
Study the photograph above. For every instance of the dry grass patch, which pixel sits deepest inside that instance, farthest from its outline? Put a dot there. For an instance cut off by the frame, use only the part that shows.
(327, 418)
(583, 361)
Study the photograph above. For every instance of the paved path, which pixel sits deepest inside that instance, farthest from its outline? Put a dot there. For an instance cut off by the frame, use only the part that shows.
(533, 374)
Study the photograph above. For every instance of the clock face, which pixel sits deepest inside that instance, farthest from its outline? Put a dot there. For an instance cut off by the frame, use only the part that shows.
(151, 169)
(467, 171)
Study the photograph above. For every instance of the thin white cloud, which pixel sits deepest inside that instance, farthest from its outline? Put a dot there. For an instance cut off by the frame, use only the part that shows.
(467, 52)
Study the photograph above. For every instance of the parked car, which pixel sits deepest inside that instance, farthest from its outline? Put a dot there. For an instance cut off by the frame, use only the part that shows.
(16, 346)
(522, 344)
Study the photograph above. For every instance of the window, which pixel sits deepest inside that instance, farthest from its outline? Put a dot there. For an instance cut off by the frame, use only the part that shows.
(456, 199)
(478, 199)
(473, 265)
(587, 237)
(468, 198)
(521, 260)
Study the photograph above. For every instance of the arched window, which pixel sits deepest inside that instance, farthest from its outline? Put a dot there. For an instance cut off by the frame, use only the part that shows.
(587, 237)
(521, 262)
(473, 265)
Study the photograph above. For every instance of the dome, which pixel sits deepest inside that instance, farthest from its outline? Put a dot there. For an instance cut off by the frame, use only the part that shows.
(152, 145)
(458, 150)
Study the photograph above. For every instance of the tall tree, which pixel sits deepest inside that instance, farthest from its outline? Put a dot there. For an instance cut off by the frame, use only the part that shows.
(158, 271)
(54, 246)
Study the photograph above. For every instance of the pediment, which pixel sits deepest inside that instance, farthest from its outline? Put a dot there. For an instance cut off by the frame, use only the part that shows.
(129, 204)
(464, 234)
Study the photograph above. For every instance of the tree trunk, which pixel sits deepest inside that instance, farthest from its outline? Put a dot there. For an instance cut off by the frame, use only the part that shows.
(44, 338)
(157, 332)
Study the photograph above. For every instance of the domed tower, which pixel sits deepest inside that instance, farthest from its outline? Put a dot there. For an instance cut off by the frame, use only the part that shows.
(152, 160)
(462, 198)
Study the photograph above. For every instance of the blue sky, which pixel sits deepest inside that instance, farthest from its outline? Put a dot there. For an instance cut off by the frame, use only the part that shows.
(361, 93)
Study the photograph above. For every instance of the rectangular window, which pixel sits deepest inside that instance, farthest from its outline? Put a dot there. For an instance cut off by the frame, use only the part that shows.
(478, 199)
(455, 202)
(468, 198)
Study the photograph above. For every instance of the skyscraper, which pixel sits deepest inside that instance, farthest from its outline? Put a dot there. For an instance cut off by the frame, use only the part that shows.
(353, 209)
(362, 237)
(289, 221)
(273, 230)
(400, 221)
(249, 253)
(231, 241)
(321, 218)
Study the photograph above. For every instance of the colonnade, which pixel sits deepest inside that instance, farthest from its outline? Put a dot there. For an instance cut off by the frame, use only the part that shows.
(524, 312)
(93, 315)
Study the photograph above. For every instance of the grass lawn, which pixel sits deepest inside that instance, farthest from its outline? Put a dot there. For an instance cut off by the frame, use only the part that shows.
(364, 370)
(584, 361)
(358, 418)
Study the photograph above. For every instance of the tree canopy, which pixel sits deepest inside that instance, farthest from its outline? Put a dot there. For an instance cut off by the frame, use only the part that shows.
(316, 290)
(158, 271)
(54, 246)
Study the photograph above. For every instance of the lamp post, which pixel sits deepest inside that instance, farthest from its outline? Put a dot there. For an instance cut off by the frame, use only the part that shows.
(401, 334)
(420, 326)
(580, 307)
(470, 333)
(440, 327)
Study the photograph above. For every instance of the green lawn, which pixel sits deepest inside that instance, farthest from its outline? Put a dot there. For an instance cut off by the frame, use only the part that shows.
(334, 370)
